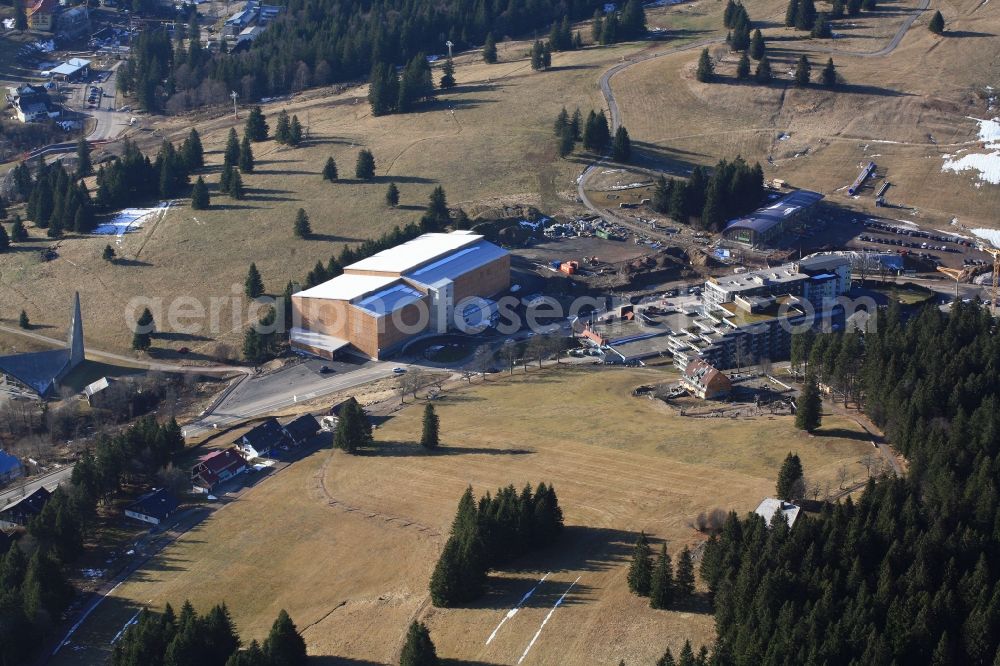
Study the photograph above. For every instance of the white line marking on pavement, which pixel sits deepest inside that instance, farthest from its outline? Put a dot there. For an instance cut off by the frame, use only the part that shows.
(553, 610)
(513, 611)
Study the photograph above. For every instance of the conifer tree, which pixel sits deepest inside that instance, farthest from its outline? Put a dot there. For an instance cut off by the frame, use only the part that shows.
(821, 27)
(705, 68)
(392, 196)
(853, 7)
(283, 130)
(596, 25)
(302, 227)
(108, 254)
(20, 16)
(789, 478)
(743, 67)
(566, 141)
(806, 16)
(84, 166)
(23, 321)
(235, 186)
(802, 71)
(837, 9)
(231, 156)
(226, 177)
(809, 406)
(256, 126)
(728, 13)
(438, 215)
(762, 74)
(142, 336)
(284, 645)
(869, 5)
(192, 151)
(757, 45)
(936, 24)
(621, 147)
(791, 13)
(364, 168)
(330, 170)
(199, 195)
(295, 132)
(253, 286)
(246, 155)
(662, 194)
(447, 75)
(3, 209)
(684, 580)
(661, 589)
(418, 650)
(575, 123)
(640, 570)
(429, 432)
(537, 56)
(353, 428)
(490, 50)
(562, 120)
(4, 239)
(829, 75)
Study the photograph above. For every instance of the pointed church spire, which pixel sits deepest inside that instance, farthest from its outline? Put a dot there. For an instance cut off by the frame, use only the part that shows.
(76, 352)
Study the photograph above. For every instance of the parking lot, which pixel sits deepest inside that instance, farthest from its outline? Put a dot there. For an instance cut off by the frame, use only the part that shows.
(939, 248)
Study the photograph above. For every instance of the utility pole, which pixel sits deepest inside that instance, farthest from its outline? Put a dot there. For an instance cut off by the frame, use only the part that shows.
(236, 113)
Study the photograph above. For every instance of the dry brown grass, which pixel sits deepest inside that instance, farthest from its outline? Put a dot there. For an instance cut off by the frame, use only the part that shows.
(904, 111)
(347, 544)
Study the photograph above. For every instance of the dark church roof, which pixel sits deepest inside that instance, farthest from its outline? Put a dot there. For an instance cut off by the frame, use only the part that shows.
(37, 370)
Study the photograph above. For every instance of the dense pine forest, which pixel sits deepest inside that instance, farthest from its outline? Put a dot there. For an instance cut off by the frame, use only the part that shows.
(907, 574)
(318, 42)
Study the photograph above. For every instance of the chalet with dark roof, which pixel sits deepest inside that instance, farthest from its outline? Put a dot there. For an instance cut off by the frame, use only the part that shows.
(301, 429)
(24, 509)
(261, 440)
(153, 507)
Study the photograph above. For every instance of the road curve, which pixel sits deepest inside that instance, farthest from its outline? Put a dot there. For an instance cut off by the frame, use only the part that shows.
(615, 113)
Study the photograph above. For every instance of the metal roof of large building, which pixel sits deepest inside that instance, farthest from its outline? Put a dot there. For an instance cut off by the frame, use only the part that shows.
(457, 263)
(413, 254)
(38, 370)
(767, 217)
(347, 287)
(390, 299)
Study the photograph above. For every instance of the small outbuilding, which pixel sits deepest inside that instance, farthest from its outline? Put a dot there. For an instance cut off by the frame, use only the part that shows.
(153, 507)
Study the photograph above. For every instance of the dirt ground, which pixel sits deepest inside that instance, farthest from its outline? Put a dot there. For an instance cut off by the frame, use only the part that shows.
(347, 543)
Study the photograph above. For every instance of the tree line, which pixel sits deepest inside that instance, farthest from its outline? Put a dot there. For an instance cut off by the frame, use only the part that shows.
(904, 574)
(491, 533)
(657, 579)
(733, 189)
(190, 639)
(320, 42)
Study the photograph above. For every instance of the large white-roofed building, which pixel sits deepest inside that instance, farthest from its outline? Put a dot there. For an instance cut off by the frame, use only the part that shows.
(381, 302)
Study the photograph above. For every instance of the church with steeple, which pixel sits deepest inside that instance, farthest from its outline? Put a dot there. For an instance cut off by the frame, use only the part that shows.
(37, 374)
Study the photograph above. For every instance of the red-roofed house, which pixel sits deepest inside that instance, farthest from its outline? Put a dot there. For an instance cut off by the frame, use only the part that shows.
(214, 468)
(41, 14)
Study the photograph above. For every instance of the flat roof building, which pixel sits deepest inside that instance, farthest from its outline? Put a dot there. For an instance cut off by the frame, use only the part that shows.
(73, 68)
(770, 506)
(765, 224)
(383, 301)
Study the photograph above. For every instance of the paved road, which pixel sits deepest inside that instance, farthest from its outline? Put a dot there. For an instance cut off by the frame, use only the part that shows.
(48, 481)
(132, 361)
(257, 396)
(612, 102)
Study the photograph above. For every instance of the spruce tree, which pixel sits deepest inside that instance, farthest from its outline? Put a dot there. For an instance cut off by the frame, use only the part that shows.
(537, 56)
(762, 74)
(447, 75)
(192, 151)
(418, 649)
(284, 645)
(256, 126)
(246, 155)
(330, 170)
(231, 156)
(18, 233)
(295, 132)
(802, 71)
(789, 478)
(869, 5)
(821, 27)
(757, 45)
(84, 166)
(621, 147)
(936, 24)
(142, 336)
(806, 16)
(226, 177)
(23, 321)
(829, 75)
(640, 570)
(3, 209)
(364, 168)
(429, 431)
(566, 141)
(353, 428)
(705, 68)
(199, 195)
(853, 7)
(108, 254)
(743, 67)
(392, 196)
(20, 15)
(791, 13)
(4, 239)
(684, 580)
(302, 227)
(283, 130)
(660, 201)
(809, 406)
(562, 120)
(490, 50)
(235, 186)
(661, 589)
(253, 286)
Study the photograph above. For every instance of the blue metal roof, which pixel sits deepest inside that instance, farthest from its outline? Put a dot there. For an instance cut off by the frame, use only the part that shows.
(390, 299)
(8, 463)
(457, 263)
(39, 370)
(768, 217)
